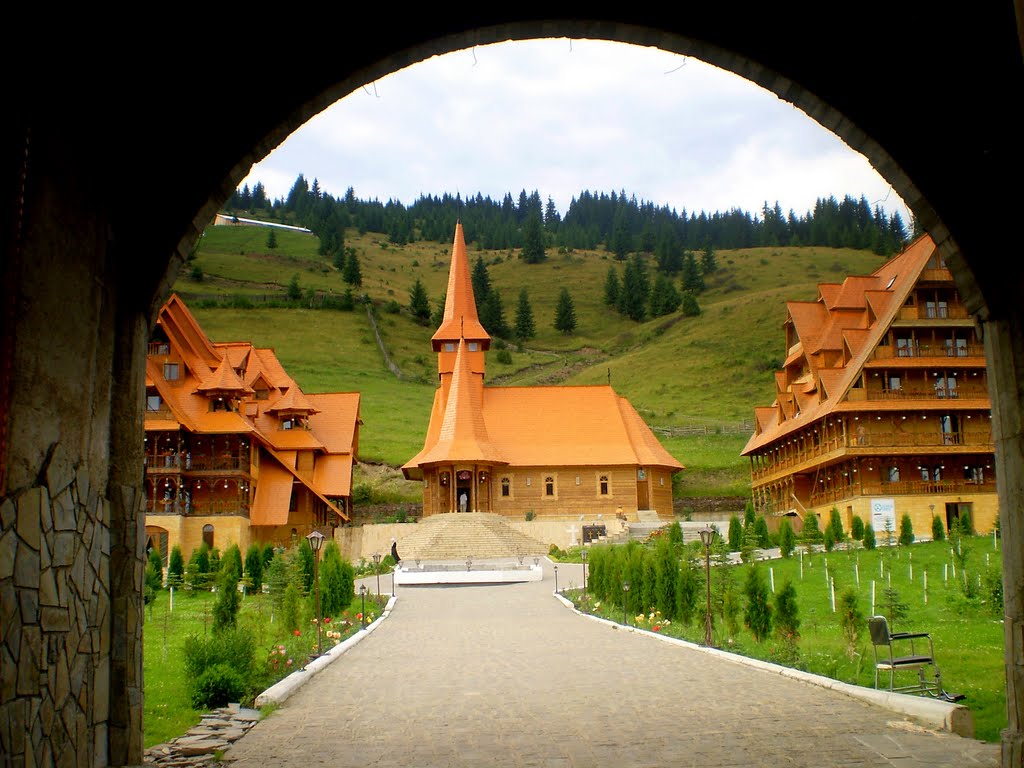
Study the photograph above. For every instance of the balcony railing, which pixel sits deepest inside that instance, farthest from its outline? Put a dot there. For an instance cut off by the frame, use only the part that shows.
(902, 488)
(158, 348)
(933, 441)
(930, 393)
(180, 507)
(157, 462)
(928, 351)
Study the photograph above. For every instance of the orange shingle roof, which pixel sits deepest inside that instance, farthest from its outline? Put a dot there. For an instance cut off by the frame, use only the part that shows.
(463, 435)
(224, 379)
(885, 289)
(460, 315)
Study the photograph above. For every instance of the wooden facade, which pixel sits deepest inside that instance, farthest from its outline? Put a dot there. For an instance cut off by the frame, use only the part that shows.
(529, 451)
(235, 452)
(882, 408)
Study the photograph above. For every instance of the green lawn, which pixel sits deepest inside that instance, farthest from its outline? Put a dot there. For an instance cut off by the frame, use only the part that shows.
(967, 634)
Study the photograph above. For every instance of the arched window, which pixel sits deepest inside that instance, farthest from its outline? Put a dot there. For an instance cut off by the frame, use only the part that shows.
(506, 486)
(549, 486)
(208, 535)
(604, 485)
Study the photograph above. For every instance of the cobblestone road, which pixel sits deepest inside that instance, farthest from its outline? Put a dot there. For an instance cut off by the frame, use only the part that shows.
(506, 675)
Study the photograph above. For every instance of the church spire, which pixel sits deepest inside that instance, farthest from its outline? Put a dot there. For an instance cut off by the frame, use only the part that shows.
(460, 319)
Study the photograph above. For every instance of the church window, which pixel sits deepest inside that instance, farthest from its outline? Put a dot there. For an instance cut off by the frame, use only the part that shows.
(208, 535)
(506, 486)
(549, 486)
(604, 485)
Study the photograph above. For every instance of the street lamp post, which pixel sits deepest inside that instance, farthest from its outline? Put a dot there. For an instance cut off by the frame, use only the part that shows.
(316, 540)
(376, 568)
(625, 593)
(583, 556)
(362, 613)
(707, 535)
(556, 578)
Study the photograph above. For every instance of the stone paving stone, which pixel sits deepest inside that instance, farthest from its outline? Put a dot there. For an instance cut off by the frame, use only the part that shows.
(505, 676)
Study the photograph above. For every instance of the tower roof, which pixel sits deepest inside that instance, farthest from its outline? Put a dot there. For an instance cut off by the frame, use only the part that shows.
(460, 317)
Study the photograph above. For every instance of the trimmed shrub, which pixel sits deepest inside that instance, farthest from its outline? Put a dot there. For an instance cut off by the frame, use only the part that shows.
(787, 538)
(758, 614)
(217, 686)
(906, 531)
(869, 536)
(857, 528)
(735, 534)
(938, 529)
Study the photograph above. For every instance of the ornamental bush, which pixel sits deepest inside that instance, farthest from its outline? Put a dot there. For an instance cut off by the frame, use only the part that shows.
(938, 529)
(758, 614)
(869, 536)
(906, 531)
(787, 538)
(857, 528)
(217, 686)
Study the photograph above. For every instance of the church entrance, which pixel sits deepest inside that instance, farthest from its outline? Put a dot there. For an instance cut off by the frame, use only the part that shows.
(464, 491)
(642, 499)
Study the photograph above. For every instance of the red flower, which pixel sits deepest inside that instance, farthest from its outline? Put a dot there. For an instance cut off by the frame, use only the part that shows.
(656, 628)
(297, 633)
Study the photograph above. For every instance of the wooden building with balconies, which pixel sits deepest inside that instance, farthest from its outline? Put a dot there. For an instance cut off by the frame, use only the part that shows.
(882, 405)
(235, 451)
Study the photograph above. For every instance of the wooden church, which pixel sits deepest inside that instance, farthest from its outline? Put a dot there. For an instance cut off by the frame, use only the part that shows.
(536, 451)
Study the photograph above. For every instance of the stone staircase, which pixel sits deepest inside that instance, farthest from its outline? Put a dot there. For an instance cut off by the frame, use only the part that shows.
(456, 536)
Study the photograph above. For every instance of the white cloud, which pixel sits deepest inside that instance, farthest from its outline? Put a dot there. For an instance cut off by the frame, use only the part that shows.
(561, 117)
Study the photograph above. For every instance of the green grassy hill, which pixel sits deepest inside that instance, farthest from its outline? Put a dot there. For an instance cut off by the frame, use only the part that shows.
(683, 374)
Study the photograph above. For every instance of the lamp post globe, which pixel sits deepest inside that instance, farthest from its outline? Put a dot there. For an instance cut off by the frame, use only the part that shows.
(362, 613)
(583, 557)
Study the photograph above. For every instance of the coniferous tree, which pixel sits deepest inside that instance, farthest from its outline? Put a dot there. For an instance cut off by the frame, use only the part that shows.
(271, 238)
(708, 262)
(758, 614)
(786, 614)
(692, 279)
(938, 529)
(481, 281)
(906, 531)
(689, 304)
(254, 567)
(735, 533)
(787, 538)
(294, 289)
(352, 274)
(857, 528)
(533, 241)
(612, 287)
(419, 304)
(633, 294)
(565, 313)
(665, 299)
(869, 536)
(337, 581)
(492, 315)
(524, 318)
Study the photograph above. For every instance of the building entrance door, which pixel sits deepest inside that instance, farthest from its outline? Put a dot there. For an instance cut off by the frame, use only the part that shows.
(642, 499)
(462, 497)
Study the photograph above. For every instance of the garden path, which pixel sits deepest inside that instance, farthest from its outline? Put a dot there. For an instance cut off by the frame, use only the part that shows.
(507, 676)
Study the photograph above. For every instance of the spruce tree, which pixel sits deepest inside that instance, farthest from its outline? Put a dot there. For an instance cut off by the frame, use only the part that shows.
(708, 263)
(492, 315)
(735, 533)
(524, 318)
(352, 274)
(565, 313)
(758, 614)
(481, 282)
(533, 240)
(938, 529)
(787, 538)
(271, 239)
(786, 615)
(665, 299)
(254, 567)
(419, 304)
(693, 282)
(906, 531)
(689, 305)
(294, 289)
(611, 287)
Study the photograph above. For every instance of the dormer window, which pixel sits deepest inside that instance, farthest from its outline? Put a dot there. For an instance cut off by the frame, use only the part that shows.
(287, 423)
(153, 403)
(262, 394)
(220, 404)
(449, 347)
(473, 346)
(172, 371)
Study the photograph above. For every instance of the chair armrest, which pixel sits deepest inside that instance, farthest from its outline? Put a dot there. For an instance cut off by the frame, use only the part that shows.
(908, 635)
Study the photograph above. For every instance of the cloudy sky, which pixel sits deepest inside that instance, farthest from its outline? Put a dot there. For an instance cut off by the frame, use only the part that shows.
(561, 116)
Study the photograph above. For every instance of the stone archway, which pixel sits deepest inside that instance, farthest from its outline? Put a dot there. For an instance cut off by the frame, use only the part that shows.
(88, 261)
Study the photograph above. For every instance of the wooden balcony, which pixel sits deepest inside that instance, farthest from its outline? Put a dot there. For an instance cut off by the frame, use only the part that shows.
(931, 393)
(203, 508)
(873, 444)
(928, 351)
(902, 488)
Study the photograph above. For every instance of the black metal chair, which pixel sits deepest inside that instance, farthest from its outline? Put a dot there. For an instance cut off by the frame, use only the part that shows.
(891, 654)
